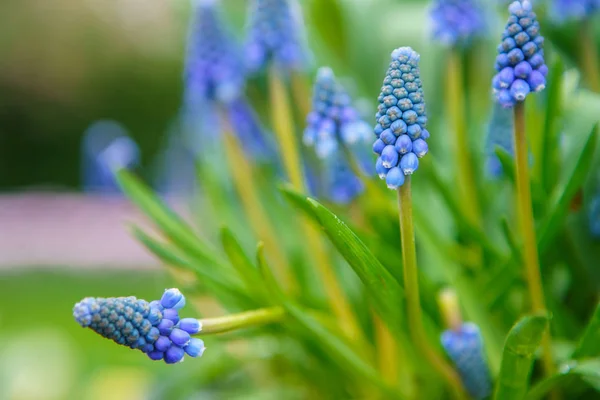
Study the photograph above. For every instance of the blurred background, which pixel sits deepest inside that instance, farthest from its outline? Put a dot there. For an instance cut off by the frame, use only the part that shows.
(74, 75)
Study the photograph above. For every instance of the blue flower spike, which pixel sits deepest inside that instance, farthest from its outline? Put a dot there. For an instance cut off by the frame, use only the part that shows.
(573, 10)
(401, 119)
(275, 34)
(457, 22)
(464, 345)
(153, 327)
(520, 64)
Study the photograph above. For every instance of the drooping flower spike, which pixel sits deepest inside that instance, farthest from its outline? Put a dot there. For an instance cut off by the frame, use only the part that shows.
(154, 328)
(457, 22)
(212, 69)
(573, 10)
(520, 62)
(401, 119)
(275, 33)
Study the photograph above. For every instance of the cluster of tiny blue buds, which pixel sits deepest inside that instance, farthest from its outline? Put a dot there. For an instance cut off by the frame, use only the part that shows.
(401, 119)
(212, 71)
(457, 22)
(333, 118)
(153, 328)
(465, 348)
(275, 34)
(573, 10)
(520, 62)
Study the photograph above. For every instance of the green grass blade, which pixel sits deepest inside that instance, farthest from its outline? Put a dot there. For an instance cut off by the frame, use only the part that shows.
(588, 371)
(554, 221)
(589, 344)
(386, 292)
(518, 356)
(240, 261)
(507, 162)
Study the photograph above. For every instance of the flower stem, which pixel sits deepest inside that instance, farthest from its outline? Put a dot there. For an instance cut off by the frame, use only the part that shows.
(284, 131)
(241, 170)
(242, 320)
(460, 141)
(530, 252)
(301, 93)
(411, 289)
(589, 56)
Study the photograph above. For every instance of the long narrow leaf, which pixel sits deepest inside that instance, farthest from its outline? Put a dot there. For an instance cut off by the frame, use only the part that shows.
(518, 356)
(588, 371)
(589, 344)
(240, 261)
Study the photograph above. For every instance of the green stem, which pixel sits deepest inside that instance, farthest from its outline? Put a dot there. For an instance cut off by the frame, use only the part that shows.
(241, 320)
(589, 56)
(530, 252)
(411, 289)
(461, 144)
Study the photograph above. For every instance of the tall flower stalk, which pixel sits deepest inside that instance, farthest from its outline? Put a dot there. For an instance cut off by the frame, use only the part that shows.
(401, 133)
(522, 70)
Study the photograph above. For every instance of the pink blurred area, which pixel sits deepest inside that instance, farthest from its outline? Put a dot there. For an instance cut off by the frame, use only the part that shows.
(72, 230)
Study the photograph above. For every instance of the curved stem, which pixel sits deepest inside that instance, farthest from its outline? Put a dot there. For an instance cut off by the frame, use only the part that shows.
(530, 252)
(461, 146)
(241, 320)
(411, 289)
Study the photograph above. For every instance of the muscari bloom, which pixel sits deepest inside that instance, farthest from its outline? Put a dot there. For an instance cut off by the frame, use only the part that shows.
(464, 346)
(520, 62)
(573, 10)
(401, 120)
(275, 33)
(154, 328)
(499, 134)
(457, 22)
(332, 125)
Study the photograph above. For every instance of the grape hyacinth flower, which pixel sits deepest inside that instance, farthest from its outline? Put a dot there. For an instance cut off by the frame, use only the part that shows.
(520, 62)
(457, 22)
(401, 119)
(499, 134)
(573, 10)
(275, 33)
(464, 346)
(154, 328)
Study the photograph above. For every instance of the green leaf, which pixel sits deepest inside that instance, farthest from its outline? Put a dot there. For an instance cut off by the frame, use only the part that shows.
(519, 352)
(386, 292)
(560, 207)
(588, 371)
(328, 19)
(268, 277)
(241, 262)
(589, 344)
(508, 163)
(163, 251)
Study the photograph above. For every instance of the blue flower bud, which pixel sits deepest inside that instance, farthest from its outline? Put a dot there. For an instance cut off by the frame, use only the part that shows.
(409, 163)
(399, 127)
(380, 169)
(174, 355)
(165, 327)
(179, 337)
(389, 156)
(378, 146)
(162, 343)
(156, 355)
(190, 325)
(520, 56)
(414, 131)
(394, 178)
(195, 347)
(404, 144)
(388, 137)
(465, 349)
(420, 147)
(170, 298)
(172, 314)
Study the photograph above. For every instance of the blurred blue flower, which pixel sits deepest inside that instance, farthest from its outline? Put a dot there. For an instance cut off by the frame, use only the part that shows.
(275, 34)
(106, 147)
(499, 134)
(520, 62)
(213, 67)
(250, 132)
(335, 130)
(594, 215)
(465, 348)
(573, 10)
(153, 328)
(457, 22)
(401, 119)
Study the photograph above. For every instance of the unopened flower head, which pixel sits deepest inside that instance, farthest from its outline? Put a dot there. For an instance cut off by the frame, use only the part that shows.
(464, 346)
(275, 34)
(213, 69)
(457, 22)
(573, 10)
(333, 119)
(154, 328)
(499, 134)
(520, 64)
(401, 119)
